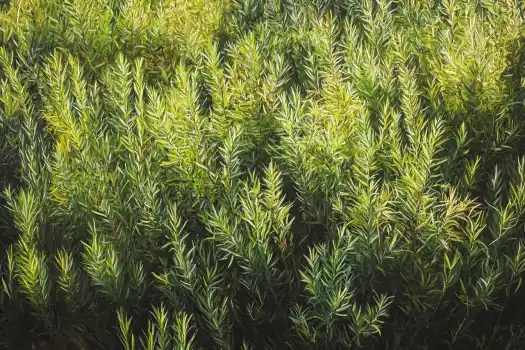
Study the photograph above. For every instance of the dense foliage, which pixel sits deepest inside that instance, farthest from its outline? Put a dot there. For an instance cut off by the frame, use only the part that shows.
(262, 174)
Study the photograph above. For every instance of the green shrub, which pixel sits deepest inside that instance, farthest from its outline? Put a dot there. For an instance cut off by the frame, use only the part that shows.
(262, 174)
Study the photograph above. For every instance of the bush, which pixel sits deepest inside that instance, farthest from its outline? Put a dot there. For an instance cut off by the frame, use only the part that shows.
(243, 174)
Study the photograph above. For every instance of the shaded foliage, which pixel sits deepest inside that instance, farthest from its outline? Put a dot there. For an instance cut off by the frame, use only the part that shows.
(241, 174)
